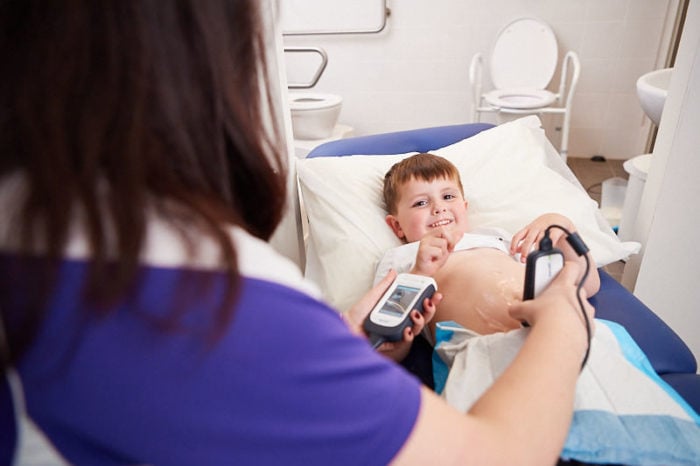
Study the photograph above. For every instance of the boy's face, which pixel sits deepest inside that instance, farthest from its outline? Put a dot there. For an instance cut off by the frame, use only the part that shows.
(424, 206)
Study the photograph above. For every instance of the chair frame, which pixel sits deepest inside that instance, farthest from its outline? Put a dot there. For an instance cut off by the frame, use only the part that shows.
(562, 104)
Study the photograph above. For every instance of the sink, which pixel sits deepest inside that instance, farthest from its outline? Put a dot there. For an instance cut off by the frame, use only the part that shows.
(652, 89)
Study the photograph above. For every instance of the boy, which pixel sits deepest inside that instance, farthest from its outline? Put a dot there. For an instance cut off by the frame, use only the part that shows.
(479, 273)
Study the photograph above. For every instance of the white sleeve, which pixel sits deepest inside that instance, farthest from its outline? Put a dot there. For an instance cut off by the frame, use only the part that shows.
(401, 259)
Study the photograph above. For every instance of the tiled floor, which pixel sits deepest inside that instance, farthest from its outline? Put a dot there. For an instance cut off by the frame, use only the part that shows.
(591, 174)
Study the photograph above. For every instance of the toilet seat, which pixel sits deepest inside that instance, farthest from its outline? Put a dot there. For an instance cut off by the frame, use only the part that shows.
(520, 98)
(300, 101)
(522, 64)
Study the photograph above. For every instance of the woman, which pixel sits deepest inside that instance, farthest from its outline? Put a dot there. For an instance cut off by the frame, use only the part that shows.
(147, 317)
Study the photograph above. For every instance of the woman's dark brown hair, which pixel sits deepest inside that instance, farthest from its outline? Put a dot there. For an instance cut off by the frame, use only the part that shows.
(113, 107)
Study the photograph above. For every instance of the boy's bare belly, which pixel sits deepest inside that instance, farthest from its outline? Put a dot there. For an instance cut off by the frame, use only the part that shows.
(478, 286)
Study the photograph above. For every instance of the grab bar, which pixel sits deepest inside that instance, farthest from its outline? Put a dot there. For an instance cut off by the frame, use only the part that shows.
(319, 71)
(387, 13)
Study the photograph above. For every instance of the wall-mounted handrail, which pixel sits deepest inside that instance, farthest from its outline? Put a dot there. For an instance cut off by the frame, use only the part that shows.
(380, 28)
(319, 71)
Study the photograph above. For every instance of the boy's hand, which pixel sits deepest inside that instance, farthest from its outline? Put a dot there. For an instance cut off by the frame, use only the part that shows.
(531, 234)
(434, 249)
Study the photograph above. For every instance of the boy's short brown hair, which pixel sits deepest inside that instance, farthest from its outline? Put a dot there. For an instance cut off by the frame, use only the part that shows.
(423, 166)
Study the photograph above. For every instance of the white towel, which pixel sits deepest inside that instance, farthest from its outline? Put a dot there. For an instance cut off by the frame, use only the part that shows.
(624, 412)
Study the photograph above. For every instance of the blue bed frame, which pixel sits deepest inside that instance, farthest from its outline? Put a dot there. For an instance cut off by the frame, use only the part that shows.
(669, 355)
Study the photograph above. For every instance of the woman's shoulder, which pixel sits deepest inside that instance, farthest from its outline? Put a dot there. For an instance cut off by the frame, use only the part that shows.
(258, 259)
(164, 244)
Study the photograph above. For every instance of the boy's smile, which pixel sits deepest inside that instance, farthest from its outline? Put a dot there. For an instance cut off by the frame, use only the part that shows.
(440, 223)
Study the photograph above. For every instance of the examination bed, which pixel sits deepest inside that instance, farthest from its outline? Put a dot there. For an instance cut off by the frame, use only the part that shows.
(320, 177)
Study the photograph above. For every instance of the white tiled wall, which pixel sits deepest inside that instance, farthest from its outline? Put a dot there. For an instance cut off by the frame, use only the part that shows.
(415, 72)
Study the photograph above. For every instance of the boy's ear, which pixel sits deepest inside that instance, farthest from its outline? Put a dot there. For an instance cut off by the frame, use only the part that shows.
(395, 226)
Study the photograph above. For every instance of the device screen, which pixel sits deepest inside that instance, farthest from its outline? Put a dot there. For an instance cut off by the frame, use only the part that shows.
(399, 301)
(547, 268)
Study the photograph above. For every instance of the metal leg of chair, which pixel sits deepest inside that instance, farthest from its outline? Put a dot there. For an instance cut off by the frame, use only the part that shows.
(564, 147)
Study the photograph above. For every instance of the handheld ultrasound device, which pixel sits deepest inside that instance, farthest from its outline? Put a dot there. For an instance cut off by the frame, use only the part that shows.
(392, 313)
(541, 268)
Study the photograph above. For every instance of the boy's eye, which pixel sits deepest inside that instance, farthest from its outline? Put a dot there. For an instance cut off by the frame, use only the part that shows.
(449, 196)
(420, 203)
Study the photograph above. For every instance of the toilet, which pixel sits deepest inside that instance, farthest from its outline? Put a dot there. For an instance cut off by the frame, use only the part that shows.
(638, 169)
(522, 64)
(314, 115)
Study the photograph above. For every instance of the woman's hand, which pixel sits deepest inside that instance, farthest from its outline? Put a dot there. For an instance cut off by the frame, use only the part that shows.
(558, 301)
(356, 315)
(399, 349)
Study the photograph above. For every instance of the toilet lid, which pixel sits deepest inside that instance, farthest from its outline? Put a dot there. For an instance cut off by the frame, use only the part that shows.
(520, 98)
(524, 55)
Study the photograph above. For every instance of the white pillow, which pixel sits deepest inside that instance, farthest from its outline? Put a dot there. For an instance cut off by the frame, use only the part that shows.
(511, 174)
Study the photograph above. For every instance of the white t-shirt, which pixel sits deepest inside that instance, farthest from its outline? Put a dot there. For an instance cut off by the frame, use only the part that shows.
(403, 258)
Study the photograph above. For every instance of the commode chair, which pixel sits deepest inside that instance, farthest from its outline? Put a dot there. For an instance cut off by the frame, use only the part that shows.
(521, 66)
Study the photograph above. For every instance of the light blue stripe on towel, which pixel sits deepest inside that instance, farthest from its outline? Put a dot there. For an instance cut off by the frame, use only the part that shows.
(638, 359)
(626, 414)
(443, 332)
(640, 440)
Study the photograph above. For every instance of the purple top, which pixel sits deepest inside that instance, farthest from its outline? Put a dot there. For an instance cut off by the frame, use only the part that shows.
(286, 383)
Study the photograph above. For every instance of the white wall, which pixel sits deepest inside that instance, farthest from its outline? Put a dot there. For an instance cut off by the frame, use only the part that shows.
(669, 215)
(397, 85)
(415, 72)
